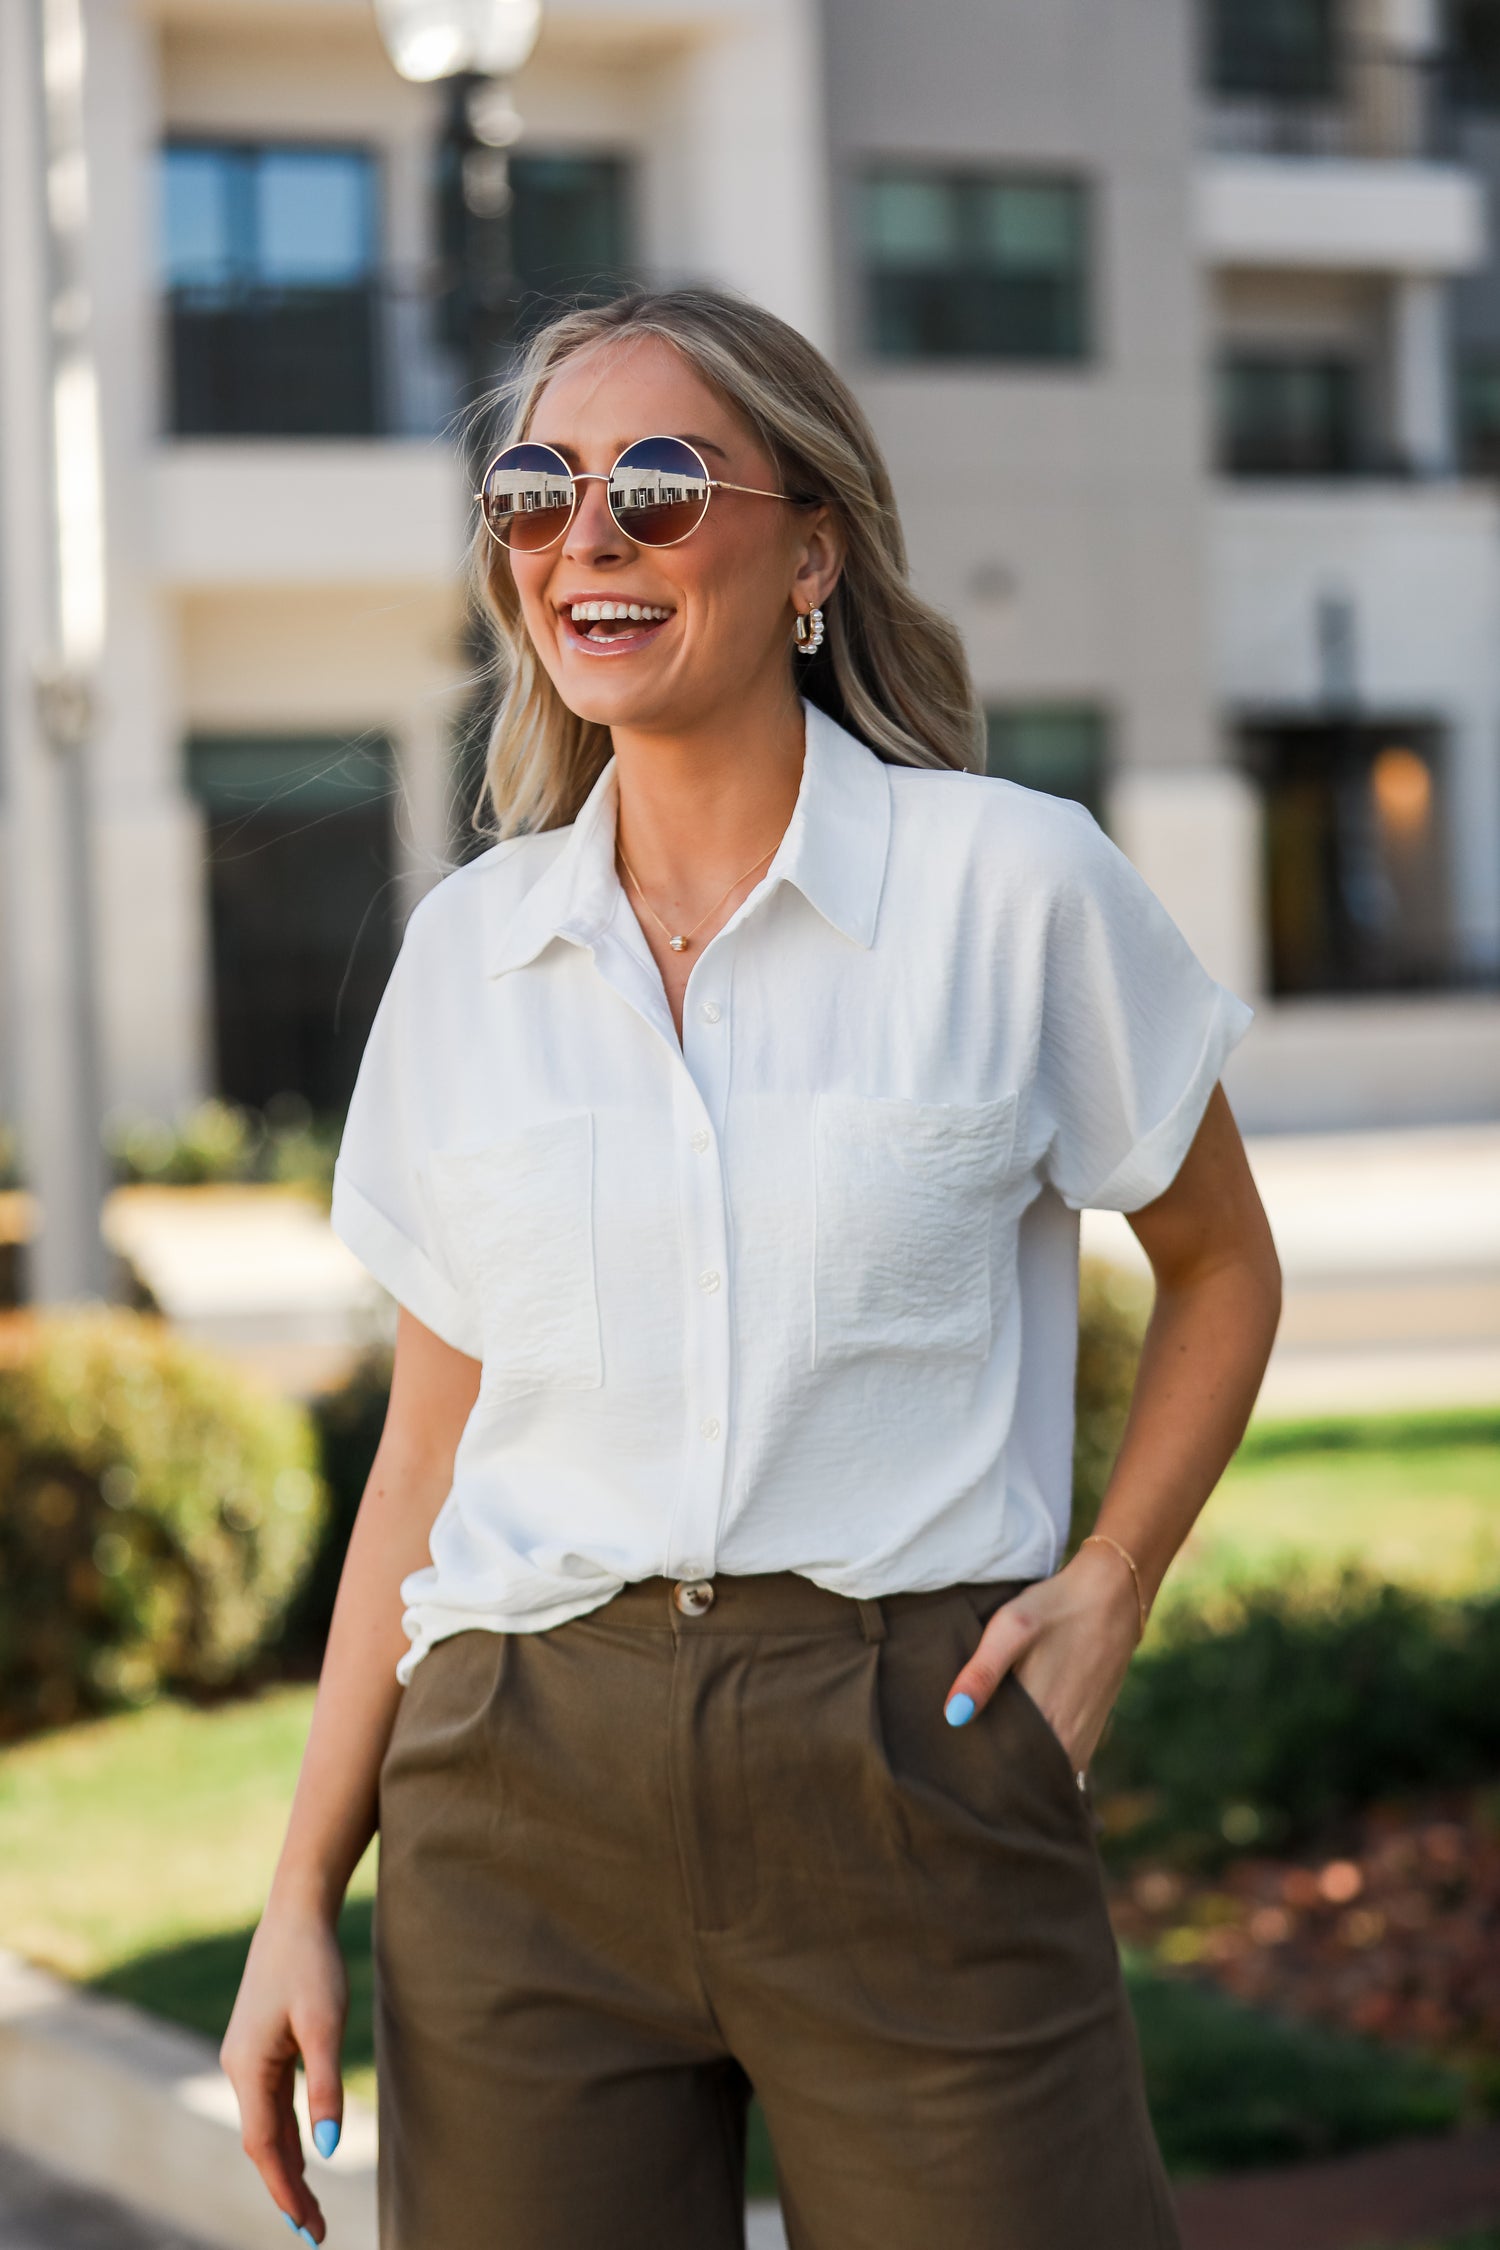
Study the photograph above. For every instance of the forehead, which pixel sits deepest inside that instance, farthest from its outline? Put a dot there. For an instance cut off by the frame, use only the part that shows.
(621, 389)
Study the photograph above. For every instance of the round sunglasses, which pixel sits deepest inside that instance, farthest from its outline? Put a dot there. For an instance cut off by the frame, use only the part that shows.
(658, 493)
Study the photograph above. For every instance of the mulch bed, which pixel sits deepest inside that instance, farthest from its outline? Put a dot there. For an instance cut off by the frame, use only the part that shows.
(1396, 1934)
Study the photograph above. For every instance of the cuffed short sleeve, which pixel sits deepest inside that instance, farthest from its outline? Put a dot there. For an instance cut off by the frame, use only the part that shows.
(1135, 1033)
(379, 1207)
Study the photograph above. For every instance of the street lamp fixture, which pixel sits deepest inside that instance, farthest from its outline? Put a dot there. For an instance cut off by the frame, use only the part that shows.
(473, 47)
(429, 39)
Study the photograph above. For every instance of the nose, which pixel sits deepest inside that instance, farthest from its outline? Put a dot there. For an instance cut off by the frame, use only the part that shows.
(593, 535)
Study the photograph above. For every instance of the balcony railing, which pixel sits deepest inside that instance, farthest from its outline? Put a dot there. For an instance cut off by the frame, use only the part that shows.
(358, 361)
(371, 359)
(1363, 102)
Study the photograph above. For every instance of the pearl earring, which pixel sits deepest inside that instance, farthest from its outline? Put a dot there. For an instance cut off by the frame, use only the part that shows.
(808, 633)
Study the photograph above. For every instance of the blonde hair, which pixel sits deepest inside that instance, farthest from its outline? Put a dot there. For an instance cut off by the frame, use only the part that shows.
(891, 669)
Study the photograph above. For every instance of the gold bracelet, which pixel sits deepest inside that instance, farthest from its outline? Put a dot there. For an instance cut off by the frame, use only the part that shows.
(1105, 1540)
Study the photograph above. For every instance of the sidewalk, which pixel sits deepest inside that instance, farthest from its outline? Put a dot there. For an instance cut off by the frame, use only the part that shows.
(115, 2105)
(1389, 1243)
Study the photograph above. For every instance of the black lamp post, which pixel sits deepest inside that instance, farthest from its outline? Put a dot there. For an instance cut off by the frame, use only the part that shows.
(474, 46)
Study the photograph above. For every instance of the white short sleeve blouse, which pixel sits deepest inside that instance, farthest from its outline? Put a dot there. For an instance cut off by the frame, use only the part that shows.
(799, 1293)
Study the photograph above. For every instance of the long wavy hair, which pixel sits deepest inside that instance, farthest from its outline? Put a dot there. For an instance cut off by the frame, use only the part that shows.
(891, 669)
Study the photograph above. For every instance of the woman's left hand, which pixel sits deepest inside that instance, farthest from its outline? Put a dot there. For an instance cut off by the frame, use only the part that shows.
(1069, 1639)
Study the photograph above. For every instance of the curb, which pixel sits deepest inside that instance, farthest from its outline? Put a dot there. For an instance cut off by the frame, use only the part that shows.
(134, 2108)
(119, 2102)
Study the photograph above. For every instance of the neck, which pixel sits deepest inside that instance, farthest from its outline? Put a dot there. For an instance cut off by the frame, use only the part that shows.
(697, 804)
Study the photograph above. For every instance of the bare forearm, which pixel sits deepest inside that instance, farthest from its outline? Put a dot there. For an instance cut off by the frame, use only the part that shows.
(1202, 1360)
(334, 1808)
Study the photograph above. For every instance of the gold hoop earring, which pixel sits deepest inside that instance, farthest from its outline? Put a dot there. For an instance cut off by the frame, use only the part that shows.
(807, 632)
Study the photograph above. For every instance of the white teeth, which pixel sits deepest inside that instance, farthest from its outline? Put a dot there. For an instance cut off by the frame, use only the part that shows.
(612, 613)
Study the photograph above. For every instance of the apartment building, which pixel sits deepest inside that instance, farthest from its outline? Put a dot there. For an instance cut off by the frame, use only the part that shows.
(1181, 329)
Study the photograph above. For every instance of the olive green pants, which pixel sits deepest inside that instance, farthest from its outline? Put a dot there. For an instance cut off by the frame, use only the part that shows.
(694, 1843)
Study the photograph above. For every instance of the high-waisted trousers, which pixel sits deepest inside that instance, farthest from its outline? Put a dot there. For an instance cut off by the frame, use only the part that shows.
(691, 1844)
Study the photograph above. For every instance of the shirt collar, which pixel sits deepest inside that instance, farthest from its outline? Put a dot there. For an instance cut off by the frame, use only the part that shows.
(834, 852)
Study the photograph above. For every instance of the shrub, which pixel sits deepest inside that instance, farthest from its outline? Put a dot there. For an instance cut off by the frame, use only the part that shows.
(222, 1141)
(349, 1421)
(157, 1512)
(1264, 1718)
(1113, 1308)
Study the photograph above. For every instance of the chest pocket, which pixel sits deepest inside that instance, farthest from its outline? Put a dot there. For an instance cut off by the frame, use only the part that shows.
(905, 1198)
(519, 1214)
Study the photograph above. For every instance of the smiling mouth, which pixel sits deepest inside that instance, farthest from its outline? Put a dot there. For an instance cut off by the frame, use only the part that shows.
(621, 625)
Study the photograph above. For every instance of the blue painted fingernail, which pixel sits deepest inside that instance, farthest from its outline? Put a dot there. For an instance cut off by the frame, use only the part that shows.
(308, 2236)
(291, 2222)
(326, 2135)
(958, 1710)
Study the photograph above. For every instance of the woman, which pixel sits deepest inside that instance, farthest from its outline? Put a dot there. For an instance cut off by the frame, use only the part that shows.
(721, 1135)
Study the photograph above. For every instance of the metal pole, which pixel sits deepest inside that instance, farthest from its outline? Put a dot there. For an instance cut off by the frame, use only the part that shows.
(61, 1094)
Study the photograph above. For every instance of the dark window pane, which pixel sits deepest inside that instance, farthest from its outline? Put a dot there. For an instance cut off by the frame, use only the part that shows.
(300, 865)
(570, 223)
(1356, 878)
(1281, 49)
(1474, 52)
(975, 266)
(1479, 412)
(1285, 414)
(1061, 748)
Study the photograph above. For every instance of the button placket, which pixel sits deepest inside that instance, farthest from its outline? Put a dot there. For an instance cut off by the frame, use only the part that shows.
(693, 1534)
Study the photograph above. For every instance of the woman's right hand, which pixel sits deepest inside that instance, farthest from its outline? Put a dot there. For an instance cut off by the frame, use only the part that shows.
(292, 2003)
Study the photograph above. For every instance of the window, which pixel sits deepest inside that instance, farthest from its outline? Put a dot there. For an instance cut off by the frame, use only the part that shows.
(300, 887)
(1061, 748)
(269, 257)
(1355, 876)
(1276, 50)
(1286, 414)
(1474, 53)
(570, 229)
(1479, 411)
(969, 265)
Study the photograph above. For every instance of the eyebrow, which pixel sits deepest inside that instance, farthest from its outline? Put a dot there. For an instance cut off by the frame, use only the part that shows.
(570, 453)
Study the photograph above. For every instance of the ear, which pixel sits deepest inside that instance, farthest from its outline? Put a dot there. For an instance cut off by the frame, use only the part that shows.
(819, 558)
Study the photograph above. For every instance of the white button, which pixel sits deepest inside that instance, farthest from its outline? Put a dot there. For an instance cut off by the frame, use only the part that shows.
(708, 1280)
(710, 1426)
(700, 1140)
(710, 1011)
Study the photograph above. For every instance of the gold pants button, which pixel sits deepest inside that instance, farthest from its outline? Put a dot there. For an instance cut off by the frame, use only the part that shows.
(693, 1595)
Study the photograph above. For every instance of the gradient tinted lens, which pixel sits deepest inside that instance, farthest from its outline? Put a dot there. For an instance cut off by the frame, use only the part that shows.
(658, 491)
(527, 496)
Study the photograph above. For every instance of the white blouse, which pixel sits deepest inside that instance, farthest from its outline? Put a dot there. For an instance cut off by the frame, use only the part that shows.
(799, 1293)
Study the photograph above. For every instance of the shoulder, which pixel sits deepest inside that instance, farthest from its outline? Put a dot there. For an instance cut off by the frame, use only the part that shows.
(468, 909)
(1038, 843)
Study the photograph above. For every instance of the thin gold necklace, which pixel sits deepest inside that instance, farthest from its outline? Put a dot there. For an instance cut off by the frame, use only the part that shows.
(679, 941)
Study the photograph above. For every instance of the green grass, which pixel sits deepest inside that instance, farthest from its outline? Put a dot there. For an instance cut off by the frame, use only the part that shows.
(135, 1851)
(1234, 2088)
(1416, 1497)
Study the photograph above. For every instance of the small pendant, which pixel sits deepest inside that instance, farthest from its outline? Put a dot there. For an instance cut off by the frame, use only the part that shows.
(678, 944)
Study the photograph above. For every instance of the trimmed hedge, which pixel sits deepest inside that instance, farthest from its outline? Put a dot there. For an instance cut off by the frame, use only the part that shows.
(1113, 1308)
(157, 1512)
(1262, 1720)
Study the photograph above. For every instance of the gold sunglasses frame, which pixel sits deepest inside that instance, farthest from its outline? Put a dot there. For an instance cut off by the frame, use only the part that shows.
(606, 477)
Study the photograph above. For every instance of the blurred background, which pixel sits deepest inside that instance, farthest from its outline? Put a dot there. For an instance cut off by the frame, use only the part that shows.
(1179, 322)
